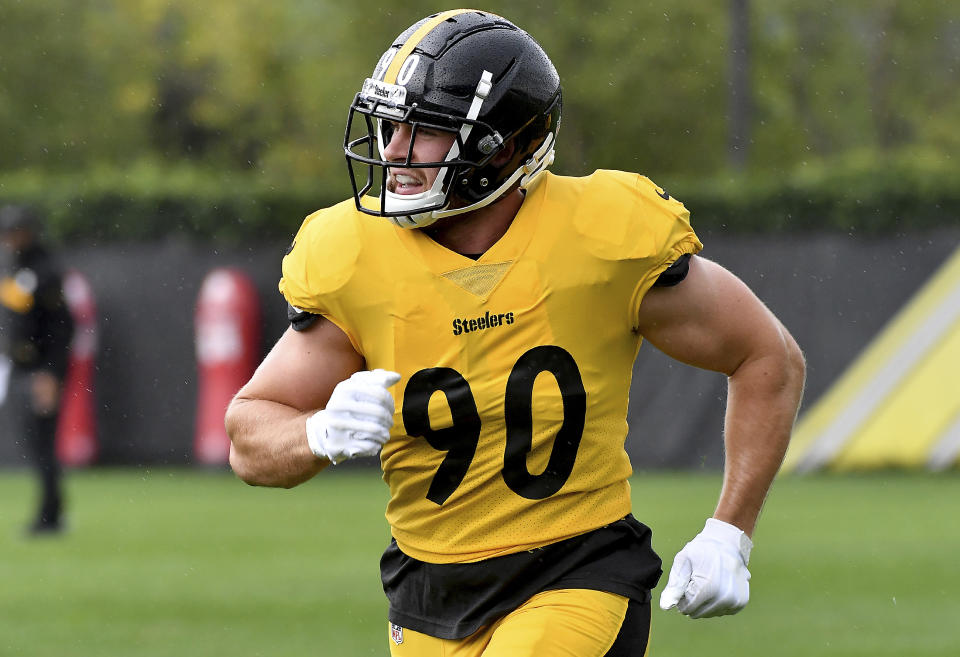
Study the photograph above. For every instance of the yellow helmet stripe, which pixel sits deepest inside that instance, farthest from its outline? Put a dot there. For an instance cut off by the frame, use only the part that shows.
(390, 77)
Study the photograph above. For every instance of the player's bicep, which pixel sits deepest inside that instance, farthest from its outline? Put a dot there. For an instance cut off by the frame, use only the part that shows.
(304, 366)
(711, 319)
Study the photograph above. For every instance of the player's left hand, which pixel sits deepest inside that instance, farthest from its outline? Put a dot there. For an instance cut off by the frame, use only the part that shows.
(709, 576)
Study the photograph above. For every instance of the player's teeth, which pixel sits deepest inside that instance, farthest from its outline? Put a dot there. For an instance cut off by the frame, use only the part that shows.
(406, 180)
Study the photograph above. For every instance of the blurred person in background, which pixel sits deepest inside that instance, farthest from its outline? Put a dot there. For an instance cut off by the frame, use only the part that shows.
(36, 331)
(474, 320)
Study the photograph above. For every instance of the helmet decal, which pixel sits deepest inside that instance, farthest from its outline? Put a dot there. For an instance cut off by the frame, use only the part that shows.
(390, 75)
(381, 67)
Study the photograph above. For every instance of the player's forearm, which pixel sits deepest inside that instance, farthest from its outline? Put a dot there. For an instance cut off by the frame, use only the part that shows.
(763, 398)
(269, 444)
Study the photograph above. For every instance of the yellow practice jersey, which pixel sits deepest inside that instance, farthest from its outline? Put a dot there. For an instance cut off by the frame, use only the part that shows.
(511, 414)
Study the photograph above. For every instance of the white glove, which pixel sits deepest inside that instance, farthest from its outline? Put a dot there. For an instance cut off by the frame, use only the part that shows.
(356, 420)
(709, 576)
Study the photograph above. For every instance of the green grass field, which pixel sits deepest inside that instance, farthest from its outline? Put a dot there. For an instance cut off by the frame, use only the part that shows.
(189, 563)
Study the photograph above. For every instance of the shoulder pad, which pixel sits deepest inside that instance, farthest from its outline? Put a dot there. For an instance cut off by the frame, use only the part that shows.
(624, 215)
(322, 257)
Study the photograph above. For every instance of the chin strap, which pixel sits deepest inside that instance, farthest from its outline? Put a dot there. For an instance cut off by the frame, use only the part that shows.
(542, 158)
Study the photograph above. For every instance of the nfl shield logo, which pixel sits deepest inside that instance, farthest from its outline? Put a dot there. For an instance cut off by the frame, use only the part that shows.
(396, 633)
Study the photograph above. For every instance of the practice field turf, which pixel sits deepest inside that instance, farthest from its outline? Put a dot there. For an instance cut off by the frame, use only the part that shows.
(187, 563)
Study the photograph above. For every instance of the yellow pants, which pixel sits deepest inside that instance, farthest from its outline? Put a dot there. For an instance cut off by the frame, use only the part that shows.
(561, 623)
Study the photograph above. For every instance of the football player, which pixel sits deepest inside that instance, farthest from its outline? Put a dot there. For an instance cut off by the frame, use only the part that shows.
(473, 319)
(35, 333)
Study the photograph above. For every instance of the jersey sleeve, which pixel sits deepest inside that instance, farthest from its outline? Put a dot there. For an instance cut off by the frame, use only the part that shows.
(668, 220)
(319, 265)
(670, 237)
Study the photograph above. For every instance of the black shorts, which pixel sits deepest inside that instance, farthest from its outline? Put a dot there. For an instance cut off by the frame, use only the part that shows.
(452, 601)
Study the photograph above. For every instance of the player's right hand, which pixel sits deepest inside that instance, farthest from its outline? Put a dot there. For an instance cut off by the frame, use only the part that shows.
(356, 420)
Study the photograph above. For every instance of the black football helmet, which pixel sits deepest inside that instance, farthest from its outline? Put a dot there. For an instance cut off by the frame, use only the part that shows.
(472, 74)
